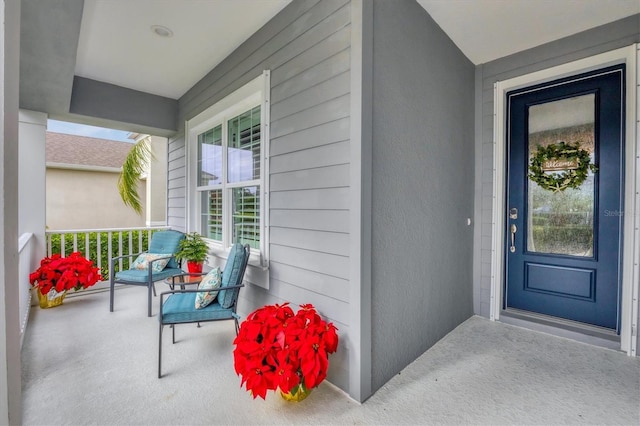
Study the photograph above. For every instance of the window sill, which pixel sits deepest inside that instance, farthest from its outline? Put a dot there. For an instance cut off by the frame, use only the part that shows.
(219, 253)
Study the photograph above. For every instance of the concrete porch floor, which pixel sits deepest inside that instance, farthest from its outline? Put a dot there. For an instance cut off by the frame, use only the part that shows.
(83, 365)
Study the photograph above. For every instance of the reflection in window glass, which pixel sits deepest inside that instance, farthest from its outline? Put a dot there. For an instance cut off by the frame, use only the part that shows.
(244, 147)
(211, 214)
(210, 157)
(246, 216)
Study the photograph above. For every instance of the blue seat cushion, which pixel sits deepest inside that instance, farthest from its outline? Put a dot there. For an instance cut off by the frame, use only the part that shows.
(166, 242)
(231, 275)
(179, 308)
(140, 276)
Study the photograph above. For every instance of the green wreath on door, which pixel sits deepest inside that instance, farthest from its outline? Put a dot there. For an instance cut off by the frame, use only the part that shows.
(570, 178)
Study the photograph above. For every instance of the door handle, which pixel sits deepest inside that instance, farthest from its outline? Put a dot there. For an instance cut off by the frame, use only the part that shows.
(513, 230)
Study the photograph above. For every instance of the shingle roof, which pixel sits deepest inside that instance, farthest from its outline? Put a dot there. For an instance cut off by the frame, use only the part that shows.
(81, 150)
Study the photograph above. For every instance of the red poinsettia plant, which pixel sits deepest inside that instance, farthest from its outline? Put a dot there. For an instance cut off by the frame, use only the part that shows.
(64, 273)
(276, 348)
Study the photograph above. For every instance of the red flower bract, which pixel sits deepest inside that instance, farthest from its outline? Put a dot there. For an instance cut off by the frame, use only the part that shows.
(64, 273)
(276, 348)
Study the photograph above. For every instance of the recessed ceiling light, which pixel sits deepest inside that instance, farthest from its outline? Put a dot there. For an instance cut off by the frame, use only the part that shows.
(162, 31)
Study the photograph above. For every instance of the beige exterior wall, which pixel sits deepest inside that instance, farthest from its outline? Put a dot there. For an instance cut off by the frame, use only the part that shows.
(88, 199)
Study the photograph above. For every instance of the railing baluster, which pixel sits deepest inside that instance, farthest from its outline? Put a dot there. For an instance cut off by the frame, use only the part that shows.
(110, 248)
(98, 250)
(120, 247)
(99, 260)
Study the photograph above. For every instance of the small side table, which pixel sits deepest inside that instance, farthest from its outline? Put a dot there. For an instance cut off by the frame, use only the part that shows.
(183, 281)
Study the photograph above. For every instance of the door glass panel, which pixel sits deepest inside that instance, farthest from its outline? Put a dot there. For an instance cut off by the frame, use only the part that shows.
(561, 221)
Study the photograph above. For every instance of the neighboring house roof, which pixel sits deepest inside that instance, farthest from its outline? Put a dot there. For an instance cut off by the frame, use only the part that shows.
(84, 151)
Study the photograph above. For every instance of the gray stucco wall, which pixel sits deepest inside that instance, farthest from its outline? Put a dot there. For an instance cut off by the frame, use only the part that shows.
(307, 49)
(422, 186)
(589, 43)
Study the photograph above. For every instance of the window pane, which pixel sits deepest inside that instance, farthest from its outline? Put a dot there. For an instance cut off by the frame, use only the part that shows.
(210, 157)
(246, 216)
(561, 222)
(211, 215)
(244, 147)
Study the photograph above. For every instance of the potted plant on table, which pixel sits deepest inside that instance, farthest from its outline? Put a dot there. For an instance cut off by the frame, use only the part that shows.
(57, 275)
(194, 250)
(276, 348)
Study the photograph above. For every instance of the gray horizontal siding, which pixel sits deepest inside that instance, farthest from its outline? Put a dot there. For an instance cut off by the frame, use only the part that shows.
(323, 134)
(323, 242)
(268, 51)
(321, 156)
(319, 93)
(323, 263)
(316, 54)
(313, 281)
(318, 220)
(321, 302)
(176, 184)
(588, 43)
(316, 199)
(318, 114)
(321, 177)
(307, 49)
(324, 69)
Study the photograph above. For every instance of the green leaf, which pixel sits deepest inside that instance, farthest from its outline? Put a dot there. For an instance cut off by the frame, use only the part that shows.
(133, 167)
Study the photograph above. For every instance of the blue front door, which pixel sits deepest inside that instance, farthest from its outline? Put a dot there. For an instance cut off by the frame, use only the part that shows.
(564, 198)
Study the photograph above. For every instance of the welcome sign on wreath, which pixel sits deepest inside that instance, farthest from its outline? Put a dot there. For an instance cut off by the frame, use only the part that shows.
(557, 167)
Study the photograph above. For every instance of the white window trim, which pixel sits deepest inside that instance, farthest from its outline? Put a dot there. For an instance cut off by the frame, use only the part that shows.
(256, 92)
(631, 229)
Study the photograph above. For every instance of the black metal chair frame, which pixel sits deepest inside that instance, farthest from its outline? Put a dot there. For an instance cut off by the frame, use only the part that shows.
(150, 286)
(174, 290)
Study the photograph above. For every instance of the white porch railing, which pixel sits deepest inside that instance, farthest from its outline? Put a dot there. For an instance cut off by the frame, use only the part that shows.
(100, 245)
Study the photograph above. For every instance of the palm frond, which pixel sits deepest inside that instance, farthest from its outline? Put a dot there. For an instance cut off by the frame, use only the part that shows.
(133, 167)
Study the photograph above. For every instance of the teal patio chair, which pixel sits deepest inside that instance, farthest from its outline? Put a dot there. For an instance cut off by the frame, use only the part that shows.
(179, 305)
(158, 263)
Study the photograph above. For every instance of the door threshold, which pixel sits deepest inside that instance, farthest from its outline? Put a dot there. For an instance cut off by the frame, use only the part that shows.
(585, 333)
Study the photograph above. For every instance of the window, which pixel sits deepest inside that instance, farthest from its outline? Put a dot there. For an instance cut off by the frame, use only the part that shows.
(228, 145)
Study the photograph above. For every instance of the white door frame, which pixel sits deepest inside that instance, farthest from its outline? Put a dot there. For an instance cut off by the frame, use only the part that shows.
(631, 224)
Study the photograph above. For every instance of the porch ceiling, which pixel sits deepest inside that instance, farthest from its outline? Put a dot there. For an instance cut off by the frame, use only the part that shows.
(490, 29)
(100, 41)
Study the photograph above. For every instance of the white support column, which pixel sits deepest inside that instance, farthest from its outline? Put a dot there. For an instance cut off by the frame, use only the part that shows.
(32, 175)
(10, 366)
